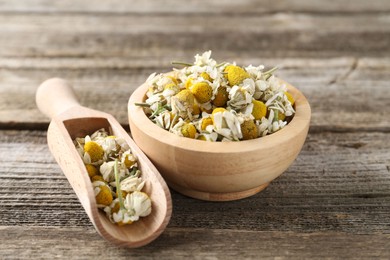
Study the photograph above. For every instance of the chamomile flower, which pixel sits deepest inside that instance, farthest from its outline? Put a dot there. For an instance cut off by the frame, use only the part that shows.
(132, 183)
(188, 130)
(202, 92)
(164, 120)
(227, 124)
(94, 151)
(128, 159)
(235, 75)
(239, 98)
(114, 174)
(103, 193)
(136, 205)
(247, 99)
(221, 97)
(249, 130)
(182, 103)
(204, 59)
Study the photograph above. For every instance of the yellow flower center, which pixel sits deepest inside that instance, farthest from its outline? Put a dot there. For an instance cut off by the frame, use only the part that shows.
(217, 110)
(188, 83)
(97, 178)
(249, 130)
(185, 96)
(281, 116)
(206, 76)
(202, 138)
(174, 80)
(195, 109)
(116, 208)
(290, 98)
(104, 197)
(129, 161)
(202, 92)
(221, 97)
(92, 171)
(206, 122)
(235, 75)
(94, 150)
(259, 109)
(188, 130)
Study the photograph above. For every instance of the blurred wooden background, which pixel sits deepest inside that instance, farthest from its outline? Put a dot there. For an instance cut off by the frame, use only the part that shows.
(333, 202)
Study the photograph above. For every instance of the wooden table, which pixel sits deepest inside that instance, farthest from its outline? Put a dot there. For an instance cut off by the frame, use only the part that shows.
(333, 202)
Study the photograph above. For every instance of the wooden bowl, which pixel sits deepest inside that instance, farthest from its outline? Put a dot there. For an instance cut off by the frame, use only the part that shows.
(219, 171)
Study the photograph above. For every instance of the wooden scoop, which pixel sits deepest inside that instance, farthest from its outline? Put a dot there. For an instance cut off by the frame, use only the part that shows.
(56, 99)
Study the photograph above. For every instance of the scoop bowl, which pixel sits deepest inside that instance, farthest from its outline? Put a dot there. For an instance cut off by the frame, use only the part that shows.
(56, 98)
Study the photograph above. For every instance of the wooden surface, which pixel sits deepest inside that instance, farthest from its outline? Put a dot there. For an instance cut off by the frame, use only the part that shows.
(333, 202)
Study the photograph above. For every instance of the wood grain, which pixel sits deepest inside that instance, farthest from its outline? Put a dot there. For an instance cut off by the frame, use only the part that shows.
(333, 202)
(190, 7)
(338, 182)
(178, 243)
(345, 94)
(335, 196)
(274, 35)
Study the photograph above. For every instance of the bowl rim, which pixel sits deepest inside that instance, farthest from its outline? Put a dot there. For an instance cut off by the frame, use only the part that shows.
(299, 123)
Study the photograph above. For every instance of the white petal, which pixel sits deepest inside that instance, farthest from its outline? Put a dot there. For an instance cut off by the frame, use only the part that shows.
(87, 158)
(218, 120)
(107, 170)
(139, 202)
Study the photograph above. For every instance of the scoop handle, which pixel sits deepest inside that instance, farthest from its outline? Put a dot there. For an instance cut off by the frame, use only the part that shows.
(54, 96)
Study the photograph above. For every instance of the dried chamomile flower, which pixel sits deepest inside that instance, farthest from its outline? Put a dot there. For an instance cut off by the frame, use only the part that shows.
(206, 76)
(206, 121)
(136, 205)
(97, 178)
(211, 137)
(227, 124)
(188, 130)
(128, 159)
(102, 193)
(221, 97)
(259, 109)
(132, 183)
(114, 174)
(182, 103)
(249, 130)
(94, 151)
(170, 90)
(91, 169)
(107, 171)
(239, 99)
(205, 59)
(290, 98)
(235, 75)
(202, 92)
(164, 120)
(189, 83)
(196, 109)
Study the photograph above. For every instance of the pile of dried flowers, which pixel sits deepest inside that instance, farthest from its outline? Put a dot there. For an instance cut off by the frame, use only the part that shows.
(115, 177)
(218, 102)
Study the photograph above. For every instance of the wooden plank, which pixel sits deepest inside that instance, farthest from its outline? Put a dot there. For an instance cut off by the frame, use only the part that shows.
(317, 209)
(345, 94)
(276, 35)
(84, 243)
(338, 183)
(190, 7)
